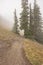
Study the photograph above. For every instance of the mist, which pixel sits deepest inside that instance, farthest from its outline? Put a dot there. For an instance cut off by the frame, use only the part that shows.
(7, 8)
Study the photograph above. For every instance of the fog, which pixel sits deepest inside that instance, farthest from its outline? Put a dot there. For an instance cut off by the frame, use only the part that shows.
(7, 8)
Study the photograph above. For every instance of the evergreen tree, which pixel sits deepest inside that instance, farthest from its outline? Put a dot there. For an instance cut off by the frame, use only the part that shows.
(15, 28)
(31, 21)
(37, 18)
(24, 17)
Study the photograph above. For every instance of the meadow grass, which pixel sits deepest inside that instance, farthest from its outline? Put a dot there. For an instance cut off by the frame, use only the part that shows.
(33, 52)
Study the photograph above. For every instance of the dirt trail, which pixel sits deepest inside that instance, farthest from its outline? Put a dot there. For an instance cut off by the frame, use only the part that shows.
(14, 55)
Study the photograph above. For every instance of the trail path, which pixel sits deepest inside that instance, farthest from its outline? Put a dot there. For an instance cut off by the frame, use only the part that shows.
(13, 55)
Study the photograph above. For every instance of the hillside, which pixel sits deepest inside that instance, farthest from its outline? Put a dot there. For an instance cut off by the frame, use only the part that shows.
(15, 50)
(11, 49)
(34, 52)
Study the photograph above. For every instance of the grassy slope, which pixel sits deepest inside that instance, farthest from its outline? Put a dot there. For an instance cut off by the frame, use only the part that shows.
(34, 52)
(6, 36)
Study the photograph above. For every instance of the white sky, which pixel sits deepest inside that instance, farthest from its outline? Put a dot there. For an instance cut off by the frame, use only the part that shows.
(7, 8)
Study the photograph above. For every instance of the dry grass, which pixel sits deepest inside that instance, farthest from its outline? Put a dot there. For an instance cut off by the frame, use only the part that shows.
(6, 37)
(34, 52)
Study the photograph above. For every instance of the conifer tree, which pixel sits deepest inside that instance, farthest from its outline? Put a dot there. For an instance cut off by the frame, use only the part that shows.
(37, 18)
(31, 21)
(15, 28)
(24, 17)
